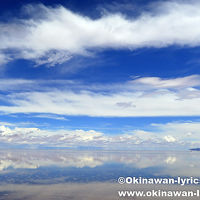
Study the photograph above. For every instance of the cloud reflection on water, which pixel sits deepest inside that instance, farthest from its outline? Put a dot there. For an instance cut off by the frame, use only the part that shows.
(169, 163)
(88, 175)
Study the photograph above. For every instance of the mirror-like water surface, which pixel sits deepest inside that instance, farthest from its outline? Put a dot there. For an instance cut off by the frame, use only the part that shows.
(88, 175)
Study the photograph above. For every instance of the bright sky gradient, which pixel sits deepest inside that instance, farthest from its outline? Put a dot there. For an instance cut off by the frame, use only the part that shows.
(121, 74)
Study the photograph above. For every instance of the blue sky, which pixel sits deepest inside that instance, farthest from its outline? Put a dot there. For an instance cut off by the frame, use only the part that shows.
(110, 74)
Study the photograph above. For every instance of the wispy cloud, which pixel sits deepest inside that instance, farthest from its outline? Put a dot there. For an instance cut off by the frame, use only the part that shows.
(49, 116)
(58, 33)
(147, 96)
(156, 82)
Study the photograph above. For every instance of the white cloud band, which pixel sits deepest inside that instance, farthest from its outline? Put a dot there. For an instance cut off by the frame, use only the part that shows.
(61, 33)
(150, 96)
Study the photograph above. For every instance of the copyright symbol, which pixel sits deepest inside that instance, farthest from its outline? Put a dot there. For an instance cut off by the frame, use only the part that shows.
(121, 180)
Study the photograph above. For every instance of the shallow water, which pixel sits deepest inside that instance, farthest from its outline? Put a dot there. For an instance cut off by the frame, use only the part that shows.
(90, 175)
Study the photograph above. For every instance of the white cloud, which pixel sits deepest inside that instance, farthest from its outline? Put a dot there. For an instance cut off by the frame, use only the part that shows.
(58, 137)
(156, 82)
(183, 131)
(76, 138)
(4, 59)
(53, 58)
(48, 116)
(170, 138)
(140, 97)
(172, 135)
(60, 33)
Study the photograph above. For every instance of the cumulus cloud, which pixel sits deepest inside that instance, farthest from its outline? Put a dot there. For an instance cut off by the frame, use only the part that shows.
(185, 131)
(37, 136)
(169, 135)
(66, 138)
(139, 97)
(169, 138)
(58, 33)
(76, 138)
